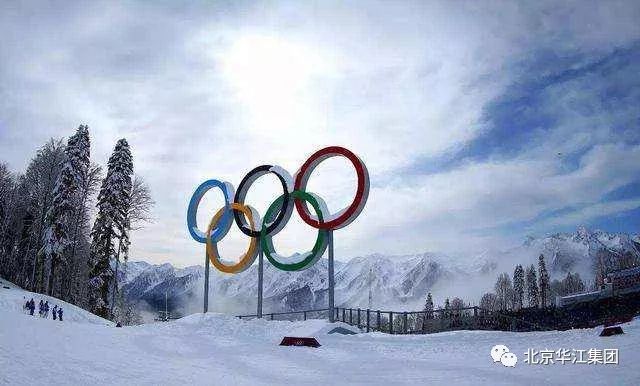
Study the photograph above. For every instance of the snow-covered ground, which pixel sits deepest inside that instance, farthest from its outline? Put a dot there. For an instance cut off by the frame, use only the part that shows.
(13, 299)
(222, 350)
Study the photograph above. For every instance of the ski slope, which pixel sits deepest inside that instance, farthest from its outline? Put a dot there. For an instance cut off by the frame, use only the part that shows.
(12, 300)
(216, 349)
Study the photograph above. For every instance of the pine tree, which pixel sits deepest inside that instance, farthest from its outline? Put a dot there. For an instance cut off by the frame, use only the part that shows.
(111, 227)
(447, 308)
(428, 306)
(428, 314)
(544, 282)
(532, 287)
(74, 290)
(518, 287)
(82, 163)
(61, 215)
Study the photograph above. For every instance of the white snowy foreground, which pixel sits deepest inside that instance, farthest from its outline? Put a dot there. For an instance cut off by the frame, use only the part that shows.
(217, 349)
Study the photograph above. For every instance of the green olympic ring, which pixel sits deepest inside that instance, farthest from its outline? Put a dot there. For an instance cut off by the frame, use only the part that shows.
(266, 240)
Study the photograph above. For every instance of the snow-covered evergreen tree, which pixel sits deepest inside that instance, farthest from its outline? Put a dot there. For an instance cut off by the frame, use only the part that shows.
(428, 314)
(428, 306)
(111, 228)
(74, 286)
(31, 225)
(532, 287)
(545, 288)
(81, 162)
(60, 217)
(518, 287)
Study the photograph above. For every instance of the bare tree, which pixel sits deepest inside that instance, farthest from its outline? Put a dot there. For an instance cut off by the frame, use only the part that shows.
(457, 305)
(489, 302)
(504, 291)
(571, 284)
(141, 203)
(139, 212)
(40, 179)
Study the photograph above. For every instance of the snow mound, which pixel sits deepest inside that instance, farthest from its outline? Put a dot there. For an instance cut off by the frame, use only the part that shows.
(12, 299)
(318, 327)
(269, 330)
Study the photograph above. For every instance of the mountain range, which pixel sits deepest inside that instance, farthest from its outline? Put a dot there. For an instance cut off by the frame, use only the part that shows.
(373, 281)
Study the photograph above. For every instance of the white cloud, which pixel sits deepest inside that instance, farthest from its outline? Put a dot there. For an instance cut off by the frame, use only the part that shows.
(583, 215)
(455, 210)
(189, 85)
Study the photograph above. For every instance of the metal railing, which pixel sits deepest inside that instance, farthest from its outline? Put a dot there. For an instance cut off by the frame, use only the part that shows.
(426, 322)
(290, 315)
(412, 322)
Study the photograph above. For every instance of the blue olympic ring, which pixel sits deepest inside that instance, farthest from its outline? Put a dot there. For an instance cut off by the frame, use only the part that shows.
(226, 220)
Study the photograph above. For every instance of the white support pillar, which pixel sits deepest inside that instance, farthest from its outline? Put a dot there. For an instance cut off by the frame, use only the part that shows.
(331, 278)
(206, 283)
(260, 282)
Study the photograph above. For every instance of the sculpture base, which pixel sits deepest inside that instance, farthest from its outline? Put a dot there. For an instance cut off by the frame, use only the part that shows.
(609, 331)
(299, 341)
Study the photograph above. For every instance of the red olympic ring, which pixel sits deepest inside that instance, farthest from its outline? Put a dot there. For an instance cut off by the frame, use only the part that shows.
(346, 216)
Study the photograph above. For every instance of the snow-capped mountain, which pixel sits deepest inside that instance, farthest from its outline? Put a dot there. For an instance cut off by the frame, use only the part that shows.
(374, 281)
(387, 280)
(583, 251)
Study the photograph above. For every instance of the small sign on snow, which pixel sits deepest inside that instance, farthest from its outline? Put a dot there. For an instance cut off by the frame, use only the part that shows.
(299, 341)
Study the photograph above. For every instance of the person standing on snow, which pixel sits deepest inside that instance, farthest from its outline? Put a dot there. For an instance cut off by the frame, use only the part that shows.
(55, 310)
(60, 313)
(46, 309)
(41, 308)
(32, 306)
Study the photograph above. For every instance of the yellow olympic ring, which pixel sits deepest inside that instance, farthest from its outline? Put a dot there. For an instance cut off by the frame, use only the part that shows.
(212, 249)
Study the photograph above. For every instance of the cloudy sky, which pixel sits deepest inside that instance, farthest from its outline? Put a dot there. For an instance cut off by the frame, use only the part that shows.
(480, 122)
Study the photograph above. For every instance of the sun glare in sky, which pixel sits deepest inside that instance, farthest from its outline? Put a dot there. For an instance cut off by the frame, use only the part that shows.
(271, 77)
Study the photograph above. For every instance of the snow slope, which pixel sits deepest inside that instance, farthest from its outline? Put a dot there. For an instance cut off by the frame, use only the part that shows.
(12, 300)
(216, 349)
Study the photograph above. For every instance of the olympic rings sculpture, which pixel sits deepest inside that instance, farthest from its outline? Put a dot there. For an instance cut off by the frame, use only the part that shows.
(261, 232)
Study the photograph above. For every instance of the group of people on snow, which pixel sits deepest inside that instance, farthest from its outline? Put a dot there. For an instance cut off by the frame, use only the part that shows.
(43, 309)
